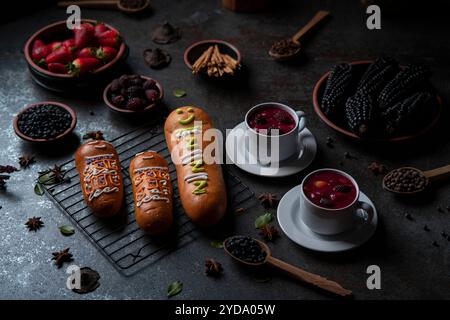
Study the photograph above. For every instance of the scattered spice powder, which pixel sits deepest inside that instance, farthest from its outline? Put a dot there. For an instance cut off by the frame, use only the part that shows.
(215, 63)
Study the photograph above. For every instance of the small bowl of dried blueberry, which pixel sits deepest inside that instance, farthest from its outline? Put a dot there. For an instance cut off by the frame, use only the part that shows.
(133, 94)
(46, 121)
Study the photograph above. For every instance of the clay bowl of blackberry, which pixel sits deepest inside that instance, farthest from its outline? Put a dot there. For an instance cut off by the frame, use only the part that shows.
(431, 102)
(133, 94)
(45, 122)
(255, 253)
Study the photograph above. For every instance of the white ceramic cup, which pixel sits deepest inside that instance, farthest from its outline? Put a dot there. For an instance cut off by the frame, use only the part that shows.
(275, 148)
(328, 221)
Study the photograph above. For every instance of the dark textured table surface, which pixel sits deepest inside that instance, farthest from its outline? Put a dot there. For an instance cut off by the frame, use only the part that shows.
(411, 267)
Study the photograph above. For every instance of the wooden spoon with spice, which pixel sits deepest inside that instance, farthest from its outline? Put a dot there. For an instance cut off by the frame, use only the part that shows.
(409, 180)
(236, 247)
(126, 6)
(287, 49)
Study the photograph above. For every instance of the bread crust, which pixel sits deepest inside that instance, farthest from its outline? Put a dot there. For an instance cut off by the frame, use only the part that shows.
(201, 184)
(100, 174)
(152, 191)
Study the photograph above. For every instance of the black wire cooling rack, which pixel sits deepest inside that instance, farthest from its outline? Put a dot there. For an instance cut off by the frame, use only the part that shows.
(120, 239)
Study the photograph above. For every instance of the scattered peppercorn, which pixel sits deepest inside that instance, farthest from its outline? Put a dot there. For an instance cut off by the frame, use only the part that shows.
(435, 244)
(444, 234)
(409, 217)
(439, 209)
(425, 227)
(347, 155)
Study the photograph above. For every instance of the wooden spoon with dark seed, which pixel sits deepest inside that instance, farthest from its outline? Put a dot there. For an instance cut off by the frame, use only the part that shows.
(302, 275)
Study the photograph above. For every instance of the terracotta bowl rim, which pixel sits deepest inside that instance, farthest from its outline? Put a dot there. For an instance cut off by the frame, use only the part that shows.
(122, 110)
(40, 32)
(350, 134)
(195, 44)
(21, 135)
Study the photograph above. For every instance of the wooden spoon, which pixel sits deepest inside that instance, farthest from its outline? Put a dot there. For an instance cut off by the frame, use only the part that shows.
(429, 175)
(295, 272)
(295, 40)
(108, 4)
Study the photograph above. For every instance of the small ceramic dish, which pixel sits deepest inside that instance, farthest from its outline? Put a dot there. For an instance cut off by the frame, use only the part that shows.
(57, 138)
(66, 82)
(197, 49)
(108, 102)
(361, 66)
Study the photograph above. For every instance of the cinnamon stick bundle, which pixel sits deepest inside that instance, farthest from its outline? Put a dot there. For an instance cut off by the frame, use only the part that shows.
(214, 63)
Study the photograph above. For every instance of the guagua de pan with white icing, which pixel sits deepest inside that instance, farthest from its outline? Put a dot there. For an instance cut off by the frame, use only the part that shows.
(152, 191)
(200, 183)
(101, 181)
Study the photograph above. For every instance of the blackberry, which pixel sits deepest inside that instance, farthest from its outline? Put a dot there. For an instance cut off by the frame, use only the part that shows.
(336, 89)
(134, 92)
(149, 84)
(377, 75)
(135, 104)
(115, 86)
(408, 113)
(359, 113)
(118, 100)
(403, 83)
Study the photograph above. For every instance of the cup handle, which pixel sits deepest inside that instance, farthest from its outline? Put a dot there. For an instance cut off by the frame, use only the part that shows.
(364, 212)
(301, 125)
(301, 120)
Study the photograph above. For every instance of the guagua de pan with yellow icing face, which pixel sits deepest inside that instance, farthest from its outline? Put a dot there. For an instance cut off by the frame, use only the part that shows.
(152, 192)
(200, 181)
(101, 181)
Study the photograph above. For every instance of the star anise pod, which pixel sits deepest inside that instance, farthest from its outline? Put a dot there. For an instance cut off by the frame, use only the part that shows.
(94, 135)
(8, 169)
(34, 224)
(269, 200)
(269, 232)
(62, 256)
(26, 160)
(377, 168)
(56, 174)
(213, 267)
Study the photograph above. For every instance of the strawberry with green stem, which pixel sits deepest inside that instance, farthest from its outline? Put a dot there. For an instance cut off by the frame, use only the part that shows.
(62, 55)
(106, 54)
(39, 52)
(57, 68)
(83, 65)
(110, 38)
(83, 35)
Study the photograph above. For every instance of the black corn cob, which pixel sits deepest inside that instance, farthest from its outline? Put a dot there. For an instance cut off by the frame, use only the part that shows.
(408, 113)
(378, 75)
(359, 113)
(337, 88)
(402, 84)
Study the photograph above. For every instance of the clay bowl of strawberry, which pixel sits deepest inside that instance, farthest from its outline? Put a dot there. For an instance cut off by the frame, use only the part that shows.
(428, 106)
(133, 94)
(82, 59)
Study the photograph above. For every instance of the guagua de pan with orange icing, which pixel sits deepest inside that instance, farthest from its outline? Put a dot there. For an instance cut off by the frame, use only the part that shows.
(200, 182)
(152, 191)
(101, 181)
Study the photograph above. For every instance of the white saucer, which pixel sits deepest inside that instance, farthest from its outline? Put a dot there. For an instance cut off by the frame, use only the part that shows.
(290, 222)
(247, 162)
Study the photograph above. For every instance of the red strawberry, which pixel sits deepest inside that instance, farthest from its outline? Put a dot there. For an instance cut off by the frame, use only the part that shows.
(106, 54)
(87, 52)
(70, 44)
(110, 38)
(61, 55)
(83, 65)
(83, 35)
(57, 68)
(99, 29)
(55, 45)
(39, 51)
